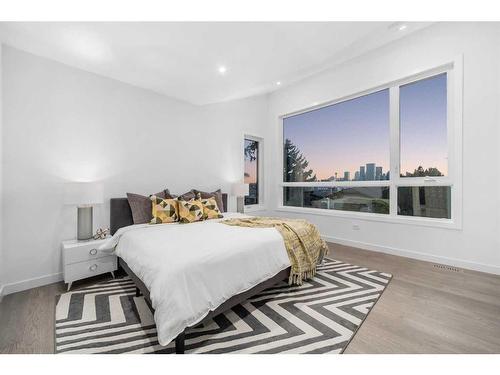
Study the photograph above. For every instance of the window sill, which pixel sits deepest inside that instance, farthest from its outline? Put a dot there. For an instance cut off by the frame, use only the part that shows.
(349, 215)
(255, 208)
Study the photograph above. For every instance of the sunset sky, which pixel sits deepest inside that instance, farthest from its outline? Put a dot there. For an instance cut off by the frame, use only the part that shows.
(344, 136)
(423, 125)
(250, 168)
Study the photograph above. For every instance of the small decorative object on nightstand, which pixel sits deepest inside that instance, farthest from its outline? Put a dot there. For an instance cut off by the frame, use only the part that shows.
(82, 259)
(101, 233)
(240, 190)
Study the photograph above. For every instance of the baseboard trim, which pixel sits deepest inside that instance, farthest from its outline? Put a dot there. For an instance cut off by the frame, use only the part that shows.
(35, 282)
(481, 267)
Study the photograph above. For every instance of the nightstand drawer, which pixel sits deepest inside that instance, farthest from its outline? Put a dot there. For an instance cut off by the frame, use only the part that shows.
(81, 270)
(84, 252)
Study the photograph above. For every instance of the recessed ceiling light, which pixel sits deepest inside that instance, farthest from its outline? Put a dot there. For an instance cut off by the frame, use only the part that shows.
(222, 69)
(398, 26)
(88, 45)
(278, 83)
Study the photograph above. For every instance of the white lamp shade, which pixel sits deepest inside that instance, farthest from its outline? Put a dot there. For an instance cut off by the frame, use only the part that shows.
(83, 193)
(240, 190)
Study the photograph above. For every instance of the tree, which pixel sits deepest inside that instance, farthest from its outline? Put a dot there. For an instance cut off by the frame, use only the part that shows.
(421, 172)
(295, 169)
(251, 150)
(295, 165)
(433, 172)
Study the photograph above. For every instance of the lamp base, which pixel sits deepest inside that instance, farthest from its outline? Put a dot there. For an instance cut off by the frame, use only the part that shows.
(240, 205)
(85, 225)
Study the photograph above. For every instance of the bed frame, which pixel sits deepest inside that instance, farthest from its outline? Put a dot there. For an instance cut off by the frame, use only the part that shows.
(121, 216)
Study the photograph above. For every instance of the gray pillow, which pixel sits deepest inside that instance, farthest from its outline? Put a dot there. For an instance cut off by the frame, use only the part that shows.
(217, 194)
(187, 196)
(141, 206)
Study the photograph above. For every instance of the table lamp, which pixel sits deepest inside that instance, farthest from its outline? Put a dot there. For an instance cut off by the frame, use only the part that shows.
(84, 195)
(240, 190)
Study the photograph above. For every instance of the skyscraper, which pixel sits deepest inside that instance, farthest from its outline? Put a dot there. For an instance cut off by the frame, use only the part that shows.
(356, 176)
(378, 173)
(362, 173)
(370, 172)
(347, 176)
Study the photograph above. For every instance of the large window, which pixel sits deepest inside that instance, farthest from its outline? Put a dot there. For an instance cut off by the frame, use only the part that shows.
(251, 174)
(387, 153)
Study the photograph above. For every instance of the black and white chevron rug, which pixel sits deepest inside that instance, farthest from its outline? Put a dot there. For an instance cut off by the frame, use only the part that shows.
(320, 316)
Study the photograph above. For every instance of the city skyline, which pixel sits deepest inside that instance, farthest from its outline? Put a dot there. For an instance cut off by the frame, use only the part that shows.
(367, 172)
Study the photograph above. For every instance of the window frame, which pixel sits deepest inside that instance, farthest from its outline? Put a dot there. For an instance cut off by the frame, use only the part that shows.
(454, 70)
(260, 172)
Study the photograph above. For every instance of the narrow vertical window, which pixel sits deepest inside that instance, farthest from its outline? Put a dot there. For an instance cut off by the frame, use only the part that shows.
(251, 176)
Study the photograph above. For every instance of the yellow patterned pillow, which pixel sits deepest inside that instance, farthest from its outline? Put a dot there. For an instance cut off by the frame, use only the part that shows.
(210, 209)
(164, 210)
(190, 211)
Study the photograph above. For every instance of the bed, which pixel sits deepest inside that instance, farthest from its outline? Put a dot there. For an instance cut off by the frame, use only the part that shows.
(192, 272)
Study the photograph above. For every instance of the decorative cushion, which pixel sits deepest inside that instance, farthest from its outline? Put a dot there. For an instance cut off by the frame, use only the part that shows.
(210, 209)
(164, 210)
(187, 196)
(141, 206)
(190, 211)
(217, 194)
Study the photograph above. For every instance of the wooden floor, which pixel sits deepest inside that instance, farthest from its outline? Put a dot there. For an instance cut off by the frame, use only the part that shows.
(425, 309)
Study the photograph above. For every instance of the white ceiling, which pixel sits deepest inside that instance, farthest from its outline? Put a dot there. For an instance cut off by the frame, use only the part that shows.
(181, 60)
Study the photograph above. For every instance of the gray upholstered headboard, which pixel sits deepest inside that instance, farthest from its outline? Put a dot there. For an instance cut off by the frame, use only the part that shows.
(121, 215)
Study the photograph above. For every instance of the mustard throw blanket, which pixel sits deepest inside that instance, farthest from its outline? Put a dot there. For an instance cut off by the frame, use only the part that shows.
(302, 241)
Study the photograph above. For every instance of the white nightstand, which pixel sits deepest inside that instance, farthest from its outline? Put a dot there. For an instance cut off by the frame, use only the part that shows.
(82, 259)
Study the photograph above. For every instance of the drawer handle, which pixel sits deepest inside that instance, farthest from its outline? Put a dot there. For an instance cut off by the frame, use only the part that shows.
(93, 252)
(93, 267)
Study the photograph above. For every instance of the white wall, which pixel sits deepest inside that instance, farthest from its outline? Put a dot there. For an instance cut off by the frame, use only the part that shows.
(477, 245)
(63, 124)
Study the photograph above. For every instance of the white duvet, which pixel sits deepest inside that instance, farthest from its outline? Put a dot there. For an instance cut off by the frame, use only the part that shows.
(191, 269)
